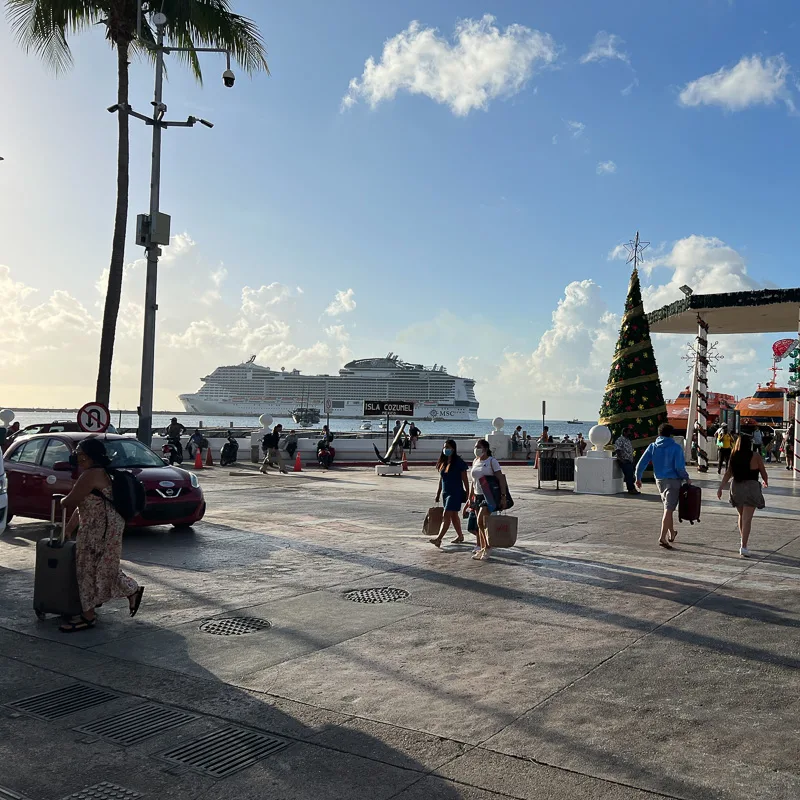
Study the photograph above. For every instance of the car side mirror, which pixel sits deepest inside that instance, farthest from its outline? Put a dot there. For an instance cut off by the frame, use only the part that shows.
(62, 466)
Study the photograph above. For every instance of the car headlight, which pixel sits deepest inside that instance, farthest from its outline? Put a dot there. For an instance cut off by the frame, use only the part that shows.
(194, 481)
(3, 483)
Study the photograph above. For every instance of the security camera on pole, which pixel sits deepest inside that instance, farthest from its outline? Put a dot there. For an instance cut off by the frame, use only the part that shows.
(152, 230)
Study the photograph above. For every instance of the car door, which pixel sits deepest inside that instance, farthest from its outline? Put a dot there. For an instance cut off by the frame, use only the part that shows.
(22, 468)
(50, 481)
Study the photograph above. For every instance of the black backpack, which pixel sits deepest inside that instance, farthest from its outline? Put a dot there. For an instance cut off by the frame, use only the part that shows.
(128, 494)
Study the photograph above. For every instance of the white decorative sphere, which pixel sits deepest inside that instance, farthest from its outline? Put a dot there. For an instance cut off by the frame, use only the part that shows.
(498, 423)
(7, 415)
(599, 436)
(265, 420)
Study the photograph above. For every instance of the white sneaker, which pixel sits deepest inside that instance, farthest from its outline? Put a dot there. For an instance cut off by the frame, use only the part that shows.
(744, 552)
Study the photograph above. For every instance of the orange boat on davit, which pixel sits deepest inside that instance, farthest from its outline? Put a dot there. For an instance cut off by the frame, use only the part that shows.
(678, 409)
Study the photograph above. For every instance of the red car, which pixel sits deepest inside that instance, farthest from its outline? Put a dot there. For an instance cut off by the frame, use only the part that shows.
(37, 467)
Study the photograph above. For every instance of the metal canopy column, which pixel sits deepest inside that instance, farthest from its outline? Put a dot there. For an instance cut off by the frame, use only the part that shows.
(702, 395)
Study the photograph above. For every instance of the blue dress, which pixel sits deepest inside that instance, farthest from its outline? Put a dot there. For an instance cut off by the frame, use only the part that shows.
(453, 486)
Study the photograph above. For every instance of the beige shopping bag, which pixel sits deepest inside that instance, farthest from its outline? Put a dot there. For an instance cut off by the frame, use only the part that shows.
(502, 530)
(433, 521)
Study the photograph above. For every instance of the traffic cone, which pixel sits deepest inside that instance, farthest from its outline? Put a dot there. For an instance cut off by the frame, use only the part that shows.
(405, 462)
(209, 460)
(298, 464)
(198, 459)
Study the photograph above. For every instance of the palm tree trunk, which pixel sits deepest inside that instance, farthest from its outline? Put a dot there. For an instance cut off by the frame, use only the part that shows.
(114, 289)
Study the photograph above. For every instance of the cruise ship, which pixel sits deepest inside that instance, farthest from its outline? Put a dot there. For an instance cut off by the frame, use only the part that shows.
(250, 389)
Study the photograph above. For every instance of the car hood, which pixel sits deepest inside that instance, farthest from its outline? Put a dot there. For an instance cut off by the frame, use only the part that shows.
(154, 475)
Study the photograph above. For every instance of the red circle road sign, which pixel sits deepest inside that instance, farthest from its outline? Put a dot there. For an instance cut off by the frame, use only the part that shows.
(94, 418)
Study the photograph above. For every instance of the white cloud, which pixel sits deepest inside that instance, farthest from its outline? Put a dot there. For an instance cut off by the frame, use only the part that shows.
(606, 46)
(575, 128)
(481, 64)
(704, 263)
(555, 139)
(630, 87)
(606, 168)
(338, 332)
(753, 81)
(341, 304)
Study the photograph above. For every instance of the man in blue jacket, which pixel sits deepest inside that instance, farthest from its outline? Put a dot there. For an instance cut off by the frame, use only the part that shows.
(669, 466)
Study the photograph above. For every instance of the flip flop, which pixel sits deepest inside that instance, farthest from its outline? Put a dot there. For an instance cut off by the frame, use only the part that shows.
(137, 600)
(457, 541)
(82, 625)
(436, 542)
(665, 545)
(673, 536)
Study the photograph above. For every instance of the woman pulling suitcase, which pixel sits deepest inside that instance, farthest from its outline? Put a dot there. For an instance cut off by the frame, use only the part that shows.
(99, 541)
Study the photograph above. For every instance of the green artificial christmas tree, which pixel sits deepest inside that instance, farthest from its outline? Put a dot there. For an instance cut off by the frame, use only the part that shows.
(633, 394)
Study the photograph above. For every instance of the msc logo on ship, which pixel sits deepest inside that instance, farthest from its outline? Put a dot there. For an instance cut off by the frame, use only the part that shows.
(445, 413)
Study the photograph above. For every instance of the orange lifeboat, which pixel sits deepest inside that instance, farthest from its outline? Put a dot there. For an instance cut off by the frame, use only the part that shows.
(765, 407)
(678, 409)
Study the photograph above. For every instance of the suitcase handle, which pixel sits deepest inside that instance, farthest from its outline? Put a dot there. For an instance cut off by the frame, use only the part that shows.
(54, 503)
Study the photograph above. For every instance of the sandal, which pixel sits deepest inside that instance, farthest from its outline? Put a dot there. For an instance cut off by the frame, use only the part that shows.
(82, 624)
(665, 545)
(137, 600)
(436, 541)
(459, 540)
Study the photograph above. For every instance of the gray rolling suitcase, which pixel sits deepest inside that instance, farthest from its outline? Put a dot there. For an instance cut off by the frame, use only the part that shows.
(55, 585)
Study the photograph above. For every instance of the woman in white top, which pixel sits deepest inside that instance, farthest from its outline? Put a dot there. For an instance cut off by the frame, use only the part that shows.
(485, 466)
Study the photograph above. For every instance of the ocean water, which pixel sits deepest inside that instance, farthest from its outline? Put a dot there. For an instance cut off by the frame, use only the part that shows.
(160, 421)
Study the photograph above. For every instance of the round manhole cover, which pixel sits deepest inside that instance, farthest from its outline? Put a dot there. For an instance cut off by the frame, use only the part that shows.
(235, 626)
(381, 594)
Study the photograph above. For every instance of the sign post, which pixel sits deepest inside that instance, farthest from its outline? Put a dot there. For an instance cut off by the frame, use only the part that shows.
(94, 418)
(328, 408)
(377, 408)
(544, 409)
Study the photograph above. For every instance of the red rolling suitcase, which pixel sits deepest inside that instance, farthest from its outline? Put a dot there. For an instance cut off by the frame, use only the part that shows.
(689, 503)
(55, 585)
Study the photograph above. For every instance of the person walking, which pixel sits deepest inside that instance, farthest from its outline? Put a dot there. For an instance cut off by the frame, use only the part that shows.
(724, 442)
(413, 435)
(669, 466)
(623, 450)
(485, 465)
(98, 548)
(758, 440)
(454, 485)
(516, 439)
(272, 453)
(581, 444)
(746, 496)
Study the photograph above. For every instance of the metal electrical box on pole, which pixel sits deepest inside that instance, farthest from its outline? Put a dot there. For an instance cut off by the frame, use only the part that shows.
(147, 233)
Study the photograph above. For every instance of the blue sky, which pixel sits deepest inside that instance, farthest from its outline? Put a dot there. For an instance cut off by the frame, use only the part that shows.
(471, 220)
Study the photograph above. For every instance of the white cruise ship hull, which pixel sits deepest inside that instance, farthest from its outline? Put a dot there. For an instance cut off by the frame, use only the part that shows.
(350, 409)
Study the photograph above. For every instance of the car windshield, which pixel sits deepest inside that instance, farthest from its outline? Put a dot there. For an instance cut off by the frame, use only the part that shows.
(130, 453)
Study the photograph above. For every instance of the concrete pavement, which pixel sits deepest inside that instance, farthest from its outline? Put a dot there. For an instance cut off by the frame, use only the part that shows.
(584, 663)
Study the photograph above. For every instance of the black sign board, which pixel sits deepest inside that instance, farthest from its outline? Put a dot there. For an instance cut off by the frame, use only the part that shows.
(384, 408)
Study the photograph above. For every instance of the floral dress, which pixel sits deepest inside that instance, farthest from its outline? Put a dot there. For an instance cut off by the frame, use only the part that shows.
(98, 551)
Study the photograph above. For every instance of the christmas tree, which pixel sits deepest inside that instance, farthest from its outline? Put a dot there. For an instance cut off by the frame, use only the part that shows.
(633, 394)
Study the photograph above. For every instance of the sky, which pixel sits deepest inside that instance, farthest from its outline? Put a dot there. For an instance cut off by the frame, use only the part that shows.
(449, 181)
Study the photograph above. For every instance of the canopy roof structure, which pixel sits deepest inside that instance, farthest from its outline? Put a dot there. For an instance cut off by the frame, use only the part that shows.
(765, 311)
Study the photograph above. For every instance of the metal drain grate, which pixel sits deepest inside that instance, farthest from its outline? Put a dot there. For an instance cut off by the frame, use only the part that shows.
(235, 626)
(104, 791)
(10, 794)
(61, 702)
(224, 752)
(137, 724)
(381, 594)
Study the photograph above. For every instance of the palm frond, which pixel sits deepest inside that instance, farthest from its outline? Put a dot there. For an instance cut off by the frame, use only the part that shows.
(42, 26)
(212, 23)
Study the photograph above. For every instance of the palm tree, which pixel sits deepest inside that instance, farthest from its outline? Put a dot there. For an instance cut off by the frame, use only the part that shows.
(43, 27)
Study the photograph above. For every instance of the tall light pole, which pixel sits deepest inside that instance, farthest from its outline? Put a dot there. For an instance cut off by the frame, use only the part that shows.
(152, 230)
